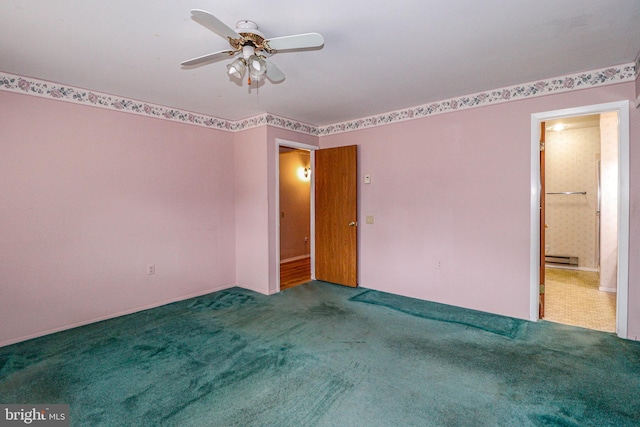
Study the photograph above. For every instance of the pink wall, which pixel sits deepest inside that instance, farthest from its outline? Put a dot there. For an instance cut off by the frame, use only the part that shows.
(90, 197)
(252, 210)
(256, 213)
(456, 188)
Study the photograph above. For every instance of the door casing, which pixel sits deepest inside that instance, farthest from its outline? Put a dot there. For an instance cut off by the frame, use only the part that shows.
(542, 221)
(622, 108)
(302, 146)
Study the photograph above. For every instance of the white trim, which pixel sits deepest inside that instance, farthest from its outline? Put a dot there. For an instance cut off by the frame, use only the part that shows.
(534, 214)
(312, 238)
(622, 108)
(622, 306)
(568, 267)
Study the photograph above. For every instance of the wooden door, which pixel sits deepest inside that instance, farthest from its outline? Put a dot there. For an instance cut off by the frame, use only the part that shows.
(543, 224)
(335, 176)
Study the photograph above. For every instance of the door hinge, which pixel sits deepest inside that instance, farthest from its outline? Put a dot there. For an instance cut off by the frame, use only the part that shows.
(541, 288)
(541, 145)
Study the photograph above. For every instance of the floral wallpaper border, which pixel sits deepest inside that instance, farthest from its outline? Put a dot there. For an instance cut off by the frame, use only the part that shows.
(601, 77)
(41, 88)
(45, 89)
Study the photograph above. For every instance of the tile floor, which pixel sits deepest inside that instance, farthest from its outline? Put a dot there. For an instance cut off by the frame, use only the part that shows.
(573, 298)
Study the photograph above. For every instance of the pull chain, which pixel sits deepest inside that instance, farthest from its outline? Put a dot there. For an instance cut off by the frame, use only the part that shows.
(257, 83)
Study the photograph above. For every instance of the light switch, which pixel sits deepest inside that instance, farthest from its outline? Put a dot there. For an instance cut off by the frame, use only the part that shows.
(367, 179)
(369, 219)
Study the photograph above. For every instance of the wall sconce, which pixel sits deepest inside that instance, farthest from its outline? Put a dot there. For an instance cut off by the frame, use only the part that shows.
(304, 173)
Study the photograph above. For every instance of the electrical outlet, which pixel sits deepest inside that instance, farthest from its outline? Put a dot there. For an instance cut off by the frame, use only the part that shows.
(369, 219)
(151, 269)
(438, 263)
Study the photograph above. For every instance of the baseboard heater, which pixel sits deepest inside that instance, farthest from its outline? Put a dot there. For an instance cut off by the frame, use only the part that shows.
(561, 259)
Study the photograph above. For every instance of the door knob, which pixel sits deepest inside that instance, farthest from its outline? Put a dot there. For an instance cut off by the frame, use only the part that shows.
(353, 224)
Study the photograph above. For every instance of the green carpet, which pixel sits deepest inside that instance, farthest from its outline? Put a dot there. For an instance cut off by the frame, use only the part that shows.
(326, 355)
(501, 325)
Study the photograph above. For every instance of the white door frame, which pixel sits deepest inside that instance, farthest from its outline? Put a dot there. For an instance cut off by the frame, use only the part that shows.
(622, 108)
(312, 237)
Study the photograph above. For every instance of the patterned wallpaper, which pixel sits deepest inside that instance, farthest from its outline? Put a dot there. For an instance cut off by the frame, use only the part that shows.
(601, 77)
(571, 157)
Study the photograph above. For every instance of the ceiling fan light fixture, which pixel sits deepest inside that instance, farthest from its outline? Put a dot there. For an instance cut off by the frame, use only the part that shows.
(237, 67)
(252, 45)
(257, 65)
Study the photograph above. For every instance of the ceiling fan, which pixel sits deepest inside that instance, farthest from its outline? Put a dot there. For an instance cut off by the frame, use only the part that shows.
(252, 45)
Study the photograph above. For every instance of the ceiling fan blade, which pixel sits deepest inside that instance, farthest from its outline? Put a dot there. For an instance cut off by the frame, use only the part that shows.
(214, 24)
(273, 73)
(298, 41)
(205, 59)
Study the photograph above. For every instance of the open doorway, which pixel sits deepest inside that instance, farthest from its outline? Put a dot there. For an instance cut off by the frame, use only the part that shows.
(621, 109)
(294, 201)
(581, 250)
(332, 238)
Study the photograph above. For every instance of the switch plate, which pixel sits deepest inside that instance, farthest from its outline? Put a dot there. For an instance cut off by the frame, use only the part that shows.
(369, 219)
(367, 179)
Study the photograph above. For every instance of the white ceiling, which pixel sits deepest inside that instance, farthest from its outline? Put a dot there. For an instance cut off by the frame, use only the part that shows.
(378, 55)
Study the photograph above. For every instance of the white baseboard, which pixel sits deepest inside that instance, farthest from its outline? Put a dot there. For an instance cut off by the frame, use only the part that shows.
(569, 267)
(604, 289)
